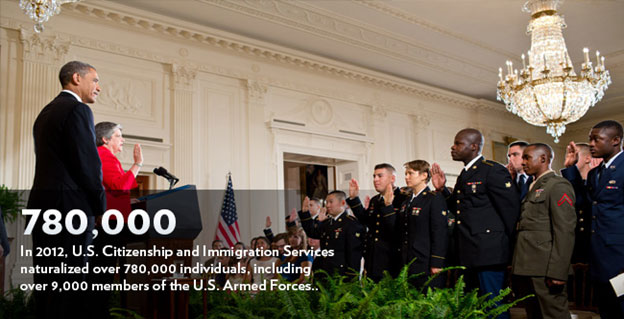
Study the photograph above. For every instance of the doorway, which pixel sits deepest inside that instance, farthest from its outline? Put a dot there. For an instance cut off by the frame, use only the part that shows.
(314, 176)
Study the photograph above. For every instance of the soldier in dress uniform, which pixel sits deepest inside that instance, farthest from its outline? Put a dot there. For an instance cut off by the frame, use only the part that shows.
(380, 250)
(340, 233)
(541, 260)
(579, 161)
(486, 206)
(605, 185)
(422, 226)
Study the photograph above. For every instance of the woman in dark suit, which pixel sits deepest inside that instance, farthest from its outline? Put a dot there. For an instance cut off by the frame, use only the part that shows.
(422, 226)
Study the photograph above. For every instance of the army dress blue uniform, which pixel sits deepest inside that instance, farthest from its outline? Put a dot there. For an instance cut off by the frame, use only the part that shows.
(486, 206)
(343, 235)
(380, 250)
(422, 226)
(605, 186)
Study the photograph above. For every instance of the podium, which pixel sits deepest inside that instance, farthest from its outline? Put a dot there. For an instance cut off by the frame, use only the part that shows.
(184, 204)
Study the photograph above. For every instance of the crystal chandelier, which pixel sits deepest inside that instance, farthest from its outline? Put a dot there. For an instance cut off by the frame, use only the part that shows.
(40, 11)
(547, 91)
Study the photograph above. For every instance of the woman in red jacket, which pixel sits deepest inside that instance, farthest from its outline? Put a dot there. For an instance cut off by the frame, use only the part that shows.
(117, 184)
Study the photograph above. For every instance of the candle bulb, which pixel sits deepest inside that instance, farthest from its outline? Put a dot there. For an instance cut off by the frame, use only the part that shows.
(500, 74)
(602, 59)
(544, 55)
(597, 58)
(523, 63)
(586, 52)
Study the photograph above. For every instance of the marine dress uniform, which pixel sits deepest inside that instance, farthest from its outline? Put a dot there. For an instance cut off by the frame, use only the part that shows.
(544, 246)
(605, 186)
(422, 226)
(379, 246)
(343, 235)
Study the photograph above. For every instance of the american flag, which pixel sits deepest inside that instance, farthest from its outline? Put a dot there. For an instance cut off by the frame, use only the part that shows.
(227, 230)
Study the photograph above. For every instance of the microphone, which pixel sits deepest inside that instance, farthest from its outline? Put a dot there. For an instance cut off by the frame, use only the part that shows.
(161, 171)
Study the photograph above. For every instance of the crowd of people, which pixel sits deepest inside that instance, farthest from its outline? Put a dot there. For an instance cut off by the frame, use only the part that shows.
(524, 215)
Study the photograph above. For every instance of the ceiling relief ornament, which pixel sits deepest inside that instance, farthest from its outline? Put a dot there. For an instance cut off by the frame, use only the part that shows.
(321, 112)
(38, 48)
(256, 91)
(183, 76)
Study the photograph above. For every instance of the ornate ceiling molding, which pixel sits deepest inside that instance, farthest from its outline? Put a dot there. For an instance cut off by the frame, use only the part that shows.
(244, 47)
(307, 18)
(410, 18)
(213, 39)
(40, 48)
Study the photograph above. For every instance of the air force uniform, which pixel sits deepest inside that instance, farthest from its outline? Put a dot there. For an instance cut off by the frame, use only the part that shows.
(605, 186)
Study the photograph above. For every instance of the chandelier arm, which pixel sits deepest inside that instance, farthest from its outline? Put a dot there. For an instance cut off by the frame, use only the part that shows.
(537, 105)
(564, 101)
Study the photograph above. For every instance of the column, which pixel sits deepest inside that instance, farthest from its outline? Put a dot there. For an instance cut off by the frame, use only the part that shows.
(42, 57)
(183, 79)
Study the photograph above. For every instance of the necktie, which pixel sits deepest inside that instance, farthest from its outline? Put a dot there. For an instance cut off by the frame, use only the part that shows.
(521, 181)
(600, 173)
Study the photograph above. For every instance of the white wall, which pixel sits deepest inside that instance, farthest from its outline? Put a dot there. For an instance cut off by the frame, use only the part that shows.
(223, 103)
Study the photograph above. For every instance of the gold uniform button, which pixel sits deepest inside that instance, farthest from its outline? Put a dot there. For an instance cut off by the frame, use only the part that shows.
(458, 201)
(595, 203)
(459, 222)
(594, 217)
(376, 239)
(458, 211)
(581, 211)
(377, 231)
(487, 230)
(378, 215)
(581, 220)
(582, 229)
(377, 223)
(458, 191)
(406, 242)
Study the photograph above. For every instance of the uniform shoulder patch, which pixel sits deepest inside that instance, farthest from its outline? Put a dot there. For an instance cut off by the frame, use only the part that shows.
(487, 162)
(351, 217)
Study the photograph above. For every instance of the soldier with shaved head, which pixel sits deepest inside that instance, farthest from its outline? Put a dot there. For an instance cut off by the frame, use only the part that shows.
(545, 241)
(486, 206)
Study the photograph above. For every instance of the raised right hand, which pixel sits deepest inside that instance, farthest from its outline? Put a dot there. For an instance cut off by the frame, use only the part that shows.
(572, 154)
(268, 222)
(305, 206)
(438, 178)
(354, 188)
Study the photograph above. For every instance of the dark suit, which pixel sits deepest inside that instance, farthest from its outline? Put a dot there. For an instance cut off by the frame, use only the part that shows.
(344, 236)
(379, 248)
(422, 226)
(68, 175)
(486, 205)
(523, 187)
(607, 234)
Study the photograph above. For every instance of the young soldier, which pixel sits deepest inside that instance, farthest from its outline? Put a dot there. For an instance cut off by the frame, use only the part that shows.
(541, 260)
(339, 233)
(379, 249)
(422, 226)
(604, 185)
(487, 206)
